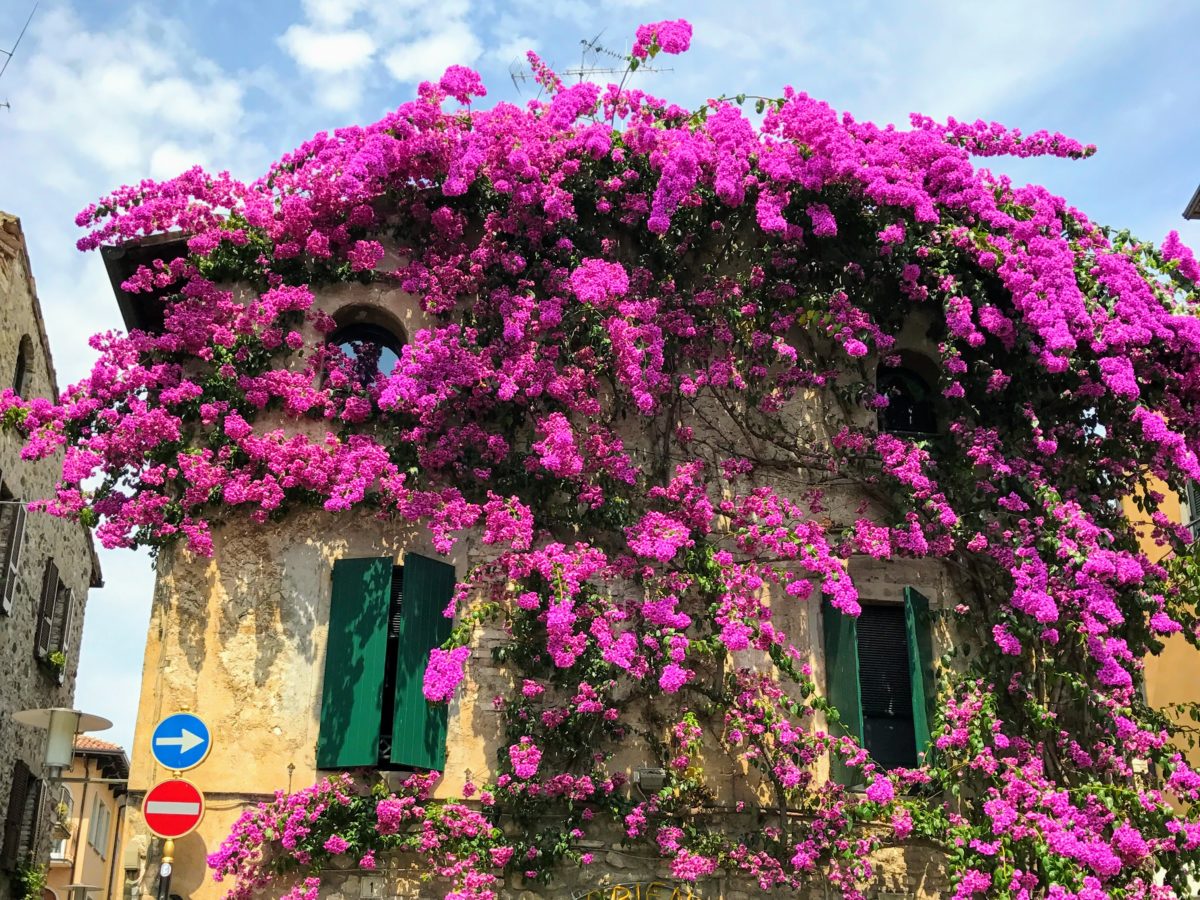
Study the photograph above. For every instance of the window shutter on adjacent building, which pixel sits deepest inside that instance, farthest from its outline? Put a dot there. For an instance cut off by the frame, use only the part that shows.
(14, 815)
(64, 611)
(47, 608)
(351, 696)
(418, 728)
(918, 629)
(842, 682)
(33, 817)
(12, 536)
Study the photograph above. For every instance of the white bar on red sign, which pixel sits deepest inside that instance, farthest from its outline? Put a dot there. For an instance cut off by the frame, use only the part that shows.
(169, 808)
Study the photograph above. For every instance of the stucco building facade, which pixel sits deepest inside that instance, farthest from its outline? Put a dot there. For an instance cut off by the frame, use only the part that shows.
(89, 816)
(46, 569)
(279, 641)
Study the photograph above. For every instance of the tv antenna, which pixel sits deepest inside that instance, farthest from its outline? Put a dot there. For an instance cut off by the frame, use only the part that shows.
(8, 54)
(590, 67)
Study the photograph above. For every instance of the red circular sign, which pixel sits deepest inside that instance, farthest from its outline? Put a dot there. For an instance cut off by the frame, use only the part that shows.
(173, 808)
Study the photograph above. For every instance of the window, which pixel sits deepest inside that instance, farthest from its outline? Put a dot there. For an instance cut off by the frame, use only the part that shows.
(22, 820)
(23, 376)
(62, 803)
(910, 409)
(368, 350)
(58, 849)
(879, 675)
(383, 621)
(12, 536)
(98, 826)
(54, 615)
(1191, 508)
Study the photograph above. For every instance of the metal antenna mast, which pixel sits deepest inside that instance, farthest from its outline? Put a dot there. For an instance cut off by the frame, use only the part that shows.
(8, 54)
(584, 70)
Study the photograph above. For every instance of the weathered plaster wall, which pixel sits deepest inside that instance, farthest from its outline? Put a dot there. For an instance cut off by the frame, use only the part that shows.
(28, 684)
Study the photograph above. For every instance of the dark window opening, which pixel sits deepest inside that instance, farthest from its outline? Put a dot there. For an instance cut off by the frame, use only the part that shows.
(23, 376)
(367, 350)
(910, 408)
(886, 686)
(394, 622)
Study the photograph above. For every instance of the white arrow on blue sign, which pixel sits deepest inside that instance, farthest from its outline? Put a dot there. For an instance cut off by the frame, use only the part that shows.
(180, 742)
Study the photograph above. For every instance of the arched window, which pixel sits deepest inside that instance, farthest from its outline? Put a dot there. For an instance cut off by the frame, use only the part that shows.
(910, 409)
(371, 348)
(23, 376)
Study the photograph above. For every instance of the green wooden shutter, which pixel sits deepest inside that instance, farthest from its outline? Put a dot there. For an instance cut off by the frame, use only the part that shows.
(919, 631)
(841, 682)
(419, 728)
(351, 697)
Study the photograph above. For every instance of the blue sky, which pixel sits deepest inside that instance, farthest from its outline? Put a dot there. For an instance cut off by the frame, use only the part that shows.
(105, 92)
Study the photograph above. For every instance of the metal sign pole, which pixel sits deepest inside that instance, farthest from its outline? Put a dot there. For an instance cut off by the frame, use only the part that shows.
(164, 871)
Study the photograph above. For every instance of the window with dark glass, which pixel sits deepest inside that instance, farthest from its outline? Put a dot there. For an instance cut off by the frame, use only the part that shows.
(885, 686)
(879, 676)
(368, 350)
(910, 409)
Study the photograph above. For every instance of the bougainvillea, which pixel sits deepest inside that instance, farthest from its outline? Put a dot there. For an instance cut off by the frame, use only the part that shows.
(649, 383)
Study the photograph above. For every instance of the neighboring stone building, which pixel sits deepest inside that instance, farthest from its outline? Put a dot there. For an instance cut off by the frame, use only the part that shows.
(291, 643)
(89, 815)
(47, 566)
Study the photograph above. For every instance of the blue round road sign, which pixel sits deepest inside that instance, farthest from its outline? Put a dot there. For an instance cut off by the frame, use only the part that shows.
(180, 742)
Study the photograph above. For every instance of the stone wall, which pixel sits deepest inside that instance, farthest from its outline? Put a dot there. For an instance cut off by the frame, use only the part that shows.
(27, 683)
(912, 872)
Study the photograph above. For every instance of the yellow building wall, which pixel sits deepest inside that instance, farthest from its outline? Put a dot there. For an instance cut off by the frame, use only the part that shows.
(1172, 676)
(81, 861)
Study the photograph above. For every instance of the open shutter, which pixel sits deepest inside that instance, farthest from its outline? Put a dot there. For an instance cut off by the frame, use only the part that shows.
(33, 818)
(13, 816)
(46, 609)
(352, 692)
(918, 629)
(841, 682)
(12, 536)
(419, 728)
(64, 605)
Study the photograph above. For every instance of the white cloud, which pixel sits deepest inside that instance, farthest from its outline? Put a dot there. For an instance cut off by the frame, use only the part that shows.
(333, 13)
(92, 107)
(512, 50)
(170, 159)
(328, 52)
(429, 56)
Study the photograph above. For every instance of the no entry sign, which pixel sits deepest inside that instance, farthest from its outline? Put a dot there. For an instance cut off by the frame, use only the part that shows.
(173, 808)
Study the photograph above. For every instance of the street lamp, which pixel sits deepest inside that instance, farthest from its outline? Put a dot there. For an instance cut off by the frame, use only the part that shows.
(61, 726)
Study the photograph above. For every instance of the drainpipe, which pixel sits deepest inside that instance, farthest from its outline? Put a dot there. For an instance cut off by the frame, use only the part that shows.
(75, 856)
